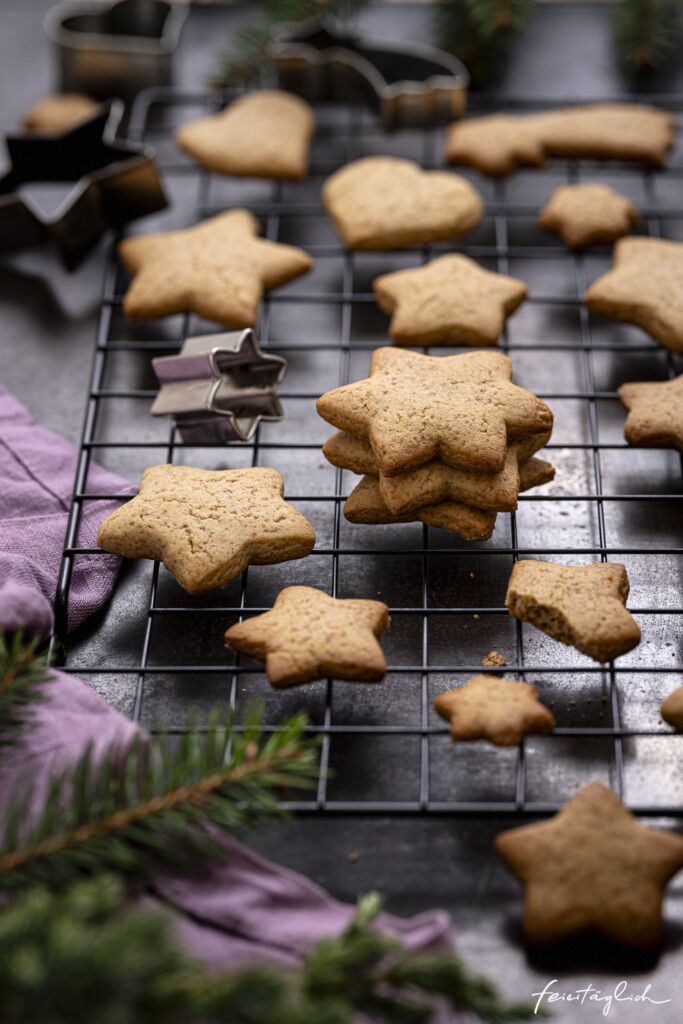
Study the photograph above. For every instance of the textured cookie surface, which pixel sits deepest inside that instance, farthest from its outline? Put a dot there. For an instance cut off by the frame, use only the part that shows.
(435, 482)
(587, 214)
(450, 301)
(365, 505)
(500, 143)
(207, 526)
(672, 709)
(592, 867)
(579, 605)
(218, 270)
(645, 287)
(385, 203)
(265, 134)
(655, 414)
(499, 710)
(459, 409)
(53, 115)
(309, 635)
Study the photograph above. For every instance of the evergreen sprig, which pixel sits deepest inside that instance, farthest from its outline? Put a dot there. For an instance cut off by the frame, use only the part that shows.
(480, 31)
(647, 33)
(246, 57)
(83, 955)
(24, 671)
(147, 809)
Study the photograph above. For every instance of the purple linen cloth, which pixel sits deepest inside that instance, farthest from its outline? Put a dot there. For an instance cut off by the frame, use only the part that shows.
(239, 913)
(37, 471)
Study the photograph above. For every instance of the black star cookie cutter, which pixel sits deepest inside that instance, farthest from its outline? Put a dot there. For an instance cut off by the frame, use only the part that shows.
(115, 182)
(219, 387)
(408, 84)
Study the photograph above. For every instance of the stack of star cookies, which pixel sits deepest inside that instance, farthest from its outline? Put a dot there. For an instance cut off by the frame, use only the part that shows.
(447, 440)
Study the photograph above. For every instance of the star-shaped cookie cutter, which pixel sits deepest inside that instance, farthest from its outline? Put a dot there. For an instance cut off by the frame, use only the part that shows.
(408, 85)
(115, 182)
(219, 387)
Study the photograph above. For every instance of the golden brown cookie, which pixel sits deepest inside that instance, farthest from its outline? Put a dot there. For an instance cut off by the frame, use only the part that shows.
(207, 526)
(218, 270)
(588, 214)
(450, 301)
(592, 867)
(414, 408)
(381, 202)
(498, 144)
(672, 709)
(309, 635)
(579, 605)
(534, 473)
(655, 414)
(265, 134)
(435, 482)
(53, 115)
(645, 287)
(365, 506)
(490, 708)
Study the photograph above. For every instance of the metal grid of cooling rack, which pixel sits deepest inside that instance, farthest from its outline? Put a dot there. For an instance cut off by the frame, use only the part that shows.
(154, 652)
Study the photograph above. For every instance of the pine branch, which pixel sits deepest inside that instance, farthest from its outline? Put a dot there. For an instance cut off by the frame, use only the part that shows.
(142, 811)
(23, 675)
(83, 955)
(479, 31)
(249, 53)
(647, 33)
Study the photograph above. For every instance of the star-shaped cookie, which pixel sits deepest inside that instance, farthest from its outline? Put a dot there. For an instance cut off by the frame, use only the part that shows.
(381, 202)
(207, 526)
(582, 606)
(592, 867)
(672, 709)
(460, 409)
(655, 414)
(499, 143)
(499, 710)
(309, 635)
(450, 301)
(645, 287)
(218, 270)
(587, 214)
(265, 134)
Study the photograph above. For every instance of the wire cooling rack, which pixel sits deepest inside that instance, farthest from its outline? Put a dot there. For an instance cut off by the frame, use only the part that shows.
(154, 652)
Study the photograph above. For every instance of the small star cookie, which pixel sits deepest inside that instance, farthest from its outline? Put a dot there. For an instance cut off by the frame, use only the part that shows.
(593, 867)
(265, 134)
(582, 606)
(587, 214)
(414, 408)
(381, 202)
(435, 482)
(366, 506)
(645, 287)
(53, 115)
(655, 414)
(498, 144)
(309, 635)
(499, 710)
(450, 301)
(207, 526)
(218, 270)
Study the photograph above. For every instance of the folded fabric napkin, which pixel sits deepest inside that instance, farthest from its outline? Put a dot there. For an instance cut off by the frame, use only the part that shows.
(238, 913)
(37, 471)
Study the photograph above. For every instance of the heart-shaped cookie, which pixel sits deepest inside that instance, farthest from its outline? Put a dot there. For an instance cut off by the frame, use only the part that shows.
(381, 202)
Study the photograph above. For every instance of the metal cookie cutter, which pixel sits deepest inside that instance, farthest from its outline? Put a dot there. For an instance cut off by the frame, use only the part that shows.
(408, 84)
(115, 182)
(219, 387)
(115, 49)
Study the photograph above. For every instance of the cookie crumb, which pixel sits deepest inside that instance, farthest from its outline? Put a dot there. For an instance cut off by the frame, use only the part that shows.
(353, 857)
(492, 659)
